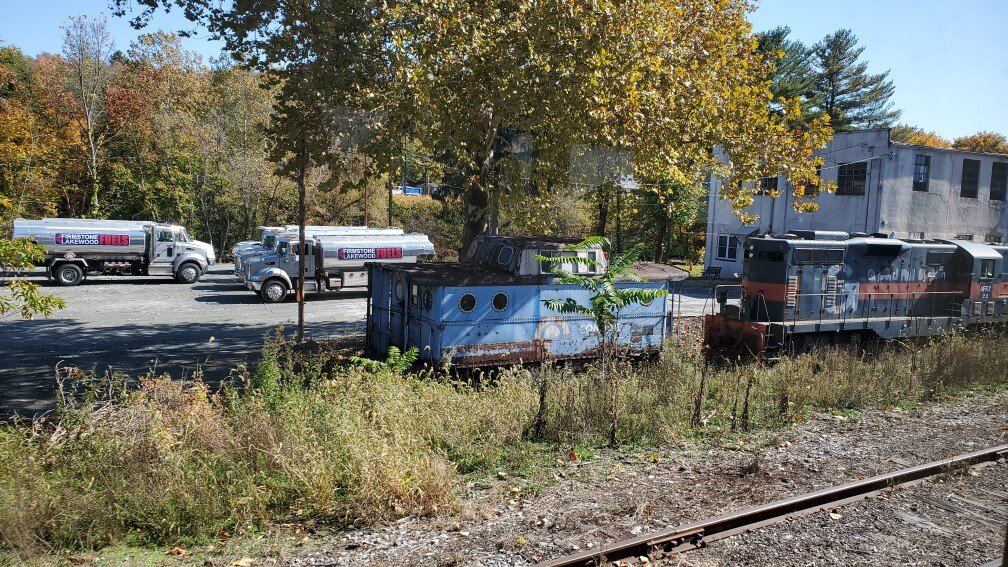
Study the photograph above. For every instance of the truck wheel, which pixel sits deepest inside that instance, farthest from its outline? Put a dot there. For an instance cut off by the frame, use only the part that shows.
(273, 291)
(188, 273)
(69, 275)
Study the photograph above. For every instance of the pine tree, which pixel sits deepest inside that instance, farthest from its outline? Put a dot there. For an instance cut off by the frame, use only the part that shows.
(852, 97)
(794, 73)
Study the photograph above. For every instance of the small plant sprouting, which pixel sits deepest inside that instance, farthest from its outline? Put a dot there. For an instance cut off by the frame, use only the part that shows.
(396, 361)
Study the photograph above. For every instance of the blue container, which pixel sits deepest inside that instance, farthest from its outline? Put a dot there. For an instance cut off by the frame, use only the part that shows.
(489, 309)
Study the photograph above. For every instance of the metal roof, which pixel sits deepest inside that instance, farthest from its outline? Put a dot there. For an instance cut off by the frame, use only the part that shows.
(976, 249)
(453, 275)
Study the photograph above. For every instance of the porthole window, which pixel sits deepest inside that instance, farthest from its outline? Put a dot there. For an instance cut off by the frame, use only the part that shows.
(400, 291)
(428, 300)
(467, 303)
(500, 301)
(504, 256)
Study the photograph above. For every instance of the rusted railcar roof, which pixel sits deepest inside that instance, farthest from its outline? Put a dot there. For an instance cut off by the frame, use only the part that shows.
(653, 271)
(454, 275)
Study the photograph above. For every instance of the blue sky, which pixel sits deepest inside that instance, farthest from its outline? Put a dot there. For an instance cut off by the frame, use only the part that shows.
(948, 60)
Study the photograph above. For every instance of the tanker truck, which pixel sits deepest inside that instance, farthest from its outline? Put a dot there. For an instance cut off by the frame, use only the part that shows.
(332, 262)
(269, 240)
(77, 247)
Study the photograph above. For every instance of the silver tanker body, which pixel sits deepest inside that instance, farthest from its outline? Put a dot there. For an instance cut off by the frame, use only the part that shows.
(332, 262)
(269, 242)
(76, 247)
(341, 253)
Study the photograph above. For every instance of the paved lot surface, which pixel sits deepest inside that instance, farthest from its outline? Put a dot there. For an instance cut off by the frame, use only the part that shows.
(136, 324)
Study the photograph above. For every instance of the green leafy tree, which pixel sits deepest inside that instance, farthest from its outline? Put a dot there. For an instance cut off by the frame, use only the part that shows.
(845, 90)
(607, 301)
(664, 81)
(986, 142)
(16, 294)
(905, 134)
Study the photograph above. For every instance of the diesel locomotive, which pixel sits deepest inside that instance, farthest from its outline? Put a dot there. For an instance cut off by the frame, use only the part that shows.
(807, 287)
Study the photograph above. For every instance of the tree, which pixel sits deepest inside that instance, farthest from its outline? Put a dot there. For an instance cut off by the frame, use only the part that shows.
(985, 142)
(608, 300)
(794, 73)
(665, 81)
(917, 136)
(845, 90)
(87, 47)
(16, 294)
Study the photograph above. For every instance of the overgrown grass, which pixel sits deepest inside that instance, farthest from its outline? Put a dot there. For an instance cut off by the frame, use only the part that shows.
(307, 437)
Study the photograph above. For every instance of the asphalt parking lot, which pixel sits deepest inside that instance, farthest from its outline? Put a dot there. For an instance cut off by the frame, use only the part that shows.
(141, 324)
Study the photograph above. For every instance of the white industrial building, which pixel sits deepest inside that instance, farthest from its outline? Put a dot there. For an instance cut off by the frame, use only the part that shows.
(899, 190)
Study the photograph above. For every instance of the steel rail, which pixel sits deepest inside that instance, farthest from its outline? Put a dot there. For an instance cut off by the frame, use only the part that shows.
(698, 534)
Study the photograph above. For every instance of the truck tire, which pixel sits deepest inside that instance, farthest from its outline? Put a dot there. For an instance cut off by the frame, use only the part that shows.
(273, 291)
(188, 273)
(68, 275)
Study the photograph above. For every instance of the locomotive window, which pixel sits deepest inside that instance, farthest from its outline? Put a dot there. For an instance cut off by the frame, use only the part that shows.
(770, 256)
(835, 256)
(428, 300)
(467, 303)
(986, 268)
(802, 255)
(819, 256)
(500, 301)
(938, 257)
(890, 250)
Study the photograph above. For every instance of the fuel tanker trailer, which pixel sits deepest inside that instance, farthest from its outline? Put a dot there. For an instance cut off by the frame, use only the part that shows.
(332, 262)
(77, 247)
(269, 239)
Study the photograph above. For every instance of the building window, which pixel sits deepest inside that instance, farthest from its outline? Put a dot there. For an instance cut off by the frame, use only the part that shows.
(970, 178)
(922, 172)
(964, 237)
(767, 186)
(727, 247)
(852, 178)
(993, 239)
(999, 181)
(917, 236)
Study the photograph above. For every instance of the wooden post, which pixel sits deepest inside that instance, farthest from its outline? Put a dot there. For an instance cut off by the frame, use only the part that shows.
(301, 246)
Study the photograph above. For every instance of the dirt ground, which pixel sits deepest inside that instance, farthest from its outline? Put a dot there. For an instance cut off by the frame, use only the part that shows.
(580, 504)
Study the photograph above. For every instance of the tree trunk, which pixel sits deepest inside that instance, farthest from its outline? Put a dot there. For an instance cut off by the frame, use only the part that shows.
(603, 211)
(663, 234)
(476, 217)
(477, 213)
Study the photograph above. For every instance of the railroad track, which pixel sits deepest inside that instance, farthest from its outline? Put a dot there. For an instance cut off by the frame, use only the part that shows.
(664, 543)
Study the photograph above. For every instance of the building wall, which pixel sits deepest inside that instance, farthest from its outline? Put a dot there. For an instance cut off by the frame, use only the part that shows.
(850, 213)
(889, 205)
(940, 212)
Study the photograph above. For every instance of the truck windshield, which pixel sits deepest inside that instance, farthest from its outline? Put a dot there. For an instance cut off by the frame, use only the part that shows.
(182, 236)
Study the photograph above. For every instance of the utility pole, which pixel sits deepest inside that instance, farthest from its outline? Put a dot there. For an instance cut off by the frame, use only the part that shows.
(366, 185)
(301, 244)
(619, 216)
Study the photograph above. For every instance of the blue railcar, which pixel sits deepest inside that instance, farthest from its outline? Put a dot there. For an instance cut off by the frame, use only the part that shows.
(810, 287)
(488, 309)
